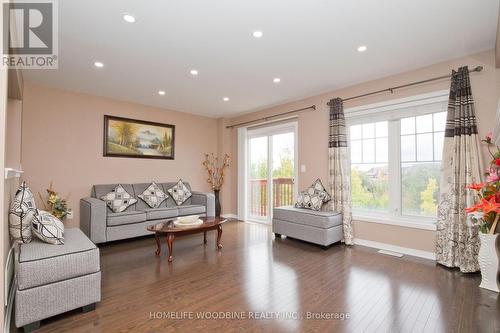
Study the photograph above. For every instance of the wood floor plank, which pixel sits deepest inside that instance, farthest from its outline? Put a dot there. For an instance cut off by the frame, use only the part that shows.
(255, 273)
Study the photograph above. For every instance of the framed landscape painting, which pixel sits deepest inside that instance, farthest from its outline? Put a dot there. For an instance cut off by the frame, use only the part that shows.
(125, 137)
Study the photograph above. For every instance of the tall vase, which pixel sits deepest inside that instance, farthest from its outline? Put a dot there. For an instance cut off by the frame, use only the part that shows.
(488, 261)
(217, 203)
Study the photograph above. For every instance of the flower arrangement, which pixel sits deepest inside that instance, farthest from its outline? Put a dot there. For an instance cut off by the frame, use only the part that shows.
(486, 212)
(215, 170)
(54, 204)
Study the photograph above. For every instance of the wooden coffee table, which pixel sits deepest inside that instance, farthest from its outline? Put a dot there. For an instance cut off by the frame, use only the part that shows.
(168, 228)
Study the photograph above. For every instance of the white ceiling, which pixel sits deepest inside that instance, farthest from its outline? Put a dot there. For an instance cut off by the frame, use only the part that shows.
(310, 44)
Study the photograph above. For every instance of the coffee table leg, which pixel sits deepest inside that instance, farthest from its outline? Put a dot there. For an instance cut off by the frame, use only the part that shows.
(205, 237)
(219, 235)
(170, 244)
(158, 244)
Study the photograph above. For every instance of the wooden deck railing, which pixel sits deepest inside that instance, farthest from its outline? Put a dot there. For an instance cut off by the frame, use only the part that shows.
(282, 194)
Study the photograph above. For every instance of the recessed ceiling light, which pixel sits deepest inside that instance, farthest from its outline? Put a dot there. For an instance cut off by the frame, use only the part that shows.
(194, 72)
(98, 64)
(276, 80)
(161, 92)
(225, 99)
(362, 48)
(128, 18)
(258, 34)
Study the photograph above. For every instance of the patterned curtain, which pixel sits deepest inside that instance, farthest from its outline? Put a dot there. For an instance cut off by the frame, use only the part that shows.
(457, 241)
(339, 171)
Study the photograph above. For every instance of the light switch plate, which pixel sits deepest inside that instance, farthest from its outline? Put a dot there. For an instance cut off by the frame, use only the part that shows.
(302, 168)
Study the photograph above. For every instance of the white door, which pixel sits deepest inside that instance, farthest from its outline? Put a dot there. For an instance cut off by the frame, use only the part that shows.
(271, 170)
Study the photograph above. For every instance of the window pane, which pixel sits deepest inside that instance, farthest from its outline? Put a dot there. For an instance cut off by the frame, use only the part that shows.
(381, 129)
(424, 147)
(370, 187)
(424, 123)
(419, 188)
(356, 151)
(382, 149)
(355, 132)
(439, 121)
(407, 148)
(408, 125)
(369, 151)
(368, 130)
(438, 145)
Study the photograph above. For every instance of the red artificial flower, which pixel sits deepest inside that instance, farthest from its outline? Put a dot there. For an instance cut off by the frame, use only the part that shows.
(474, 208)
(497, 162)
(476, 186)
(490, 205)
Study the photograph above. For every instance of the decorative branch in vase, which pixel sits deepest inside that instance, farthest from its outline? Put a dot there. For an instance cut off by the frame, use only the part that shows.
(485, 215)
(215, 171)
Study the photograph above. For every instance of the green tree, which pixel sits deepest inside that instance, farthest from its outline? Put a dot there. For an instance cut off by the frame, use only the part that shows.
(428, 204)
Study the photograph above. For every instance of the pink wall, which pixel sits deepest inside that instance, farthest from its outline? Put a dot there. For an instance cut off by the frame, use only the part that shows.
(313, 133)
(62, 141)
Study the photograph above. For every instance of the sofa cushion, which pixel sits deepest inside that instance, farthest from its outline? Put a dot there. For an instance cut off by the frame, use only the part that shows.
(125, 218)
(102, 189)
(47, 228)
(161, 213)
(307, 200)
(191, 209)
(170, 201)
(41, 263)
(318, 219)
(140, 188)
(180, 192)
(153, 195)
(118, 199)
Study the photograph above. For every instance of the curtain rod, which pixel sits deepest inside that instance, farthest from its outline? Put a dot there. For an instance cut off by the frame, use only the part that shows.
(391, 90)
(271, 117)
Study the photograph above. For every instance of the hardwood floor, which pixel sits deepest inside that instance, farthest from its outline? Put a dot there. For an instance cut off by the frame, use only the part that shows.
(254, 274)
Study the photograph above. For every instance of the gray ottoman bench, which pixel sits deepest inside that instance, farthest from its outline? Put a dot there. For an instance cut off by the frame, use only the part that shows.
(52, 279)
(318, 227)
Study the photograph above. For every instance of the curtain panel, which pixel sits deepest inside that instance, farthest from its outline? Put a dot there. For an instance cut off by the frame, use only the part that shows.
(339, 170)
(457, 241)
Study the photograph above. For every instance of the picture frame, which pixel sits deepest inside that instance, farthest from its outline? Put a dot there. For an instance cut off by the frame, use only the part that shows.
(133, 138)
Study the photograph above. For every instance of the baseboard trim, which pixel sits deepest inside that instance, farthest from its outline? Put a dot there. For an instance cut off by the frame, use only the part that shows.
(229, 216)
(395, 248)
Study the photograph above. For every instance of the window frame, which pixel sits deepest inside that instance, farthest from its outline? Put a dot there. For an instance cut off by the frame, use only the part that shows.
(392, 111)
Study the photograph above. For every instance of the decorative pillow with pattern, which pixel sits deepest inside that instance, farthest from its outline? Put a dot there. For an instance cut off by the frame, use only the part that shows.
(318, 187)
(312, 201)
(22, 210)
(180, 192)
(118, 199)
(153, 195)
(48, 228)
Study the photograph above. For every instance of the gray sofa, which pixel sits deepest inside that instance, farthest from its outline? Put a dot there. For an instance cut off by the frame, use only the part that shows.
(101, 225)
(319, 227)
(53, 279)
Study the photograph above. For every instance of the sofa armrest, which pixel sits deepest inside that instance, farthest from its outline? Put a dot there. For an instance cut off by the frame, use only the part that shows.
(205, 199)
(93, 216)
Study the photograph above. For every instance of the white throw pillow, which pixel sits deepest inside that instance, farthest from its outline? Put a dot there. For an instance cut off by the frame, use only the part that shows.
(22, 210)
(118, 199)
(153, 195)
(180, 192)
(48, 228)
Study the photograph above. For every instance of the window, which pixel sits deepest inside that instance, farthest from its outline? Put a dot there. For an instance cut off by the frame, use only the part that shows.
(395, 154)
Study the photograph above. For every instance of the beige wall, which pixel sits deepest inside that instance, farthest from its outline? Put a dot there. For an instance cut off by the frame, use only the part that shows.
(62, 141)
(313, 132)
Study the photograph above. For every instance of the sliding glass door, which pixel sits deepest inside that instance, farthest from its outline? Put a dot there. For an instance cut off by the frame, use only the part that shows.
(271, 170)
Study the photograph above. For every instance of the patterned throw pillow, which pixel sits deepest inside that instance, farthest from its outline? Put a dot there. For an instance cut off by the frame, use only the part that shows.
(22, 210)
(153, 195)
(312, 201)
(318, 187)
(180, 192)
(48, 228)
(118, 199)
